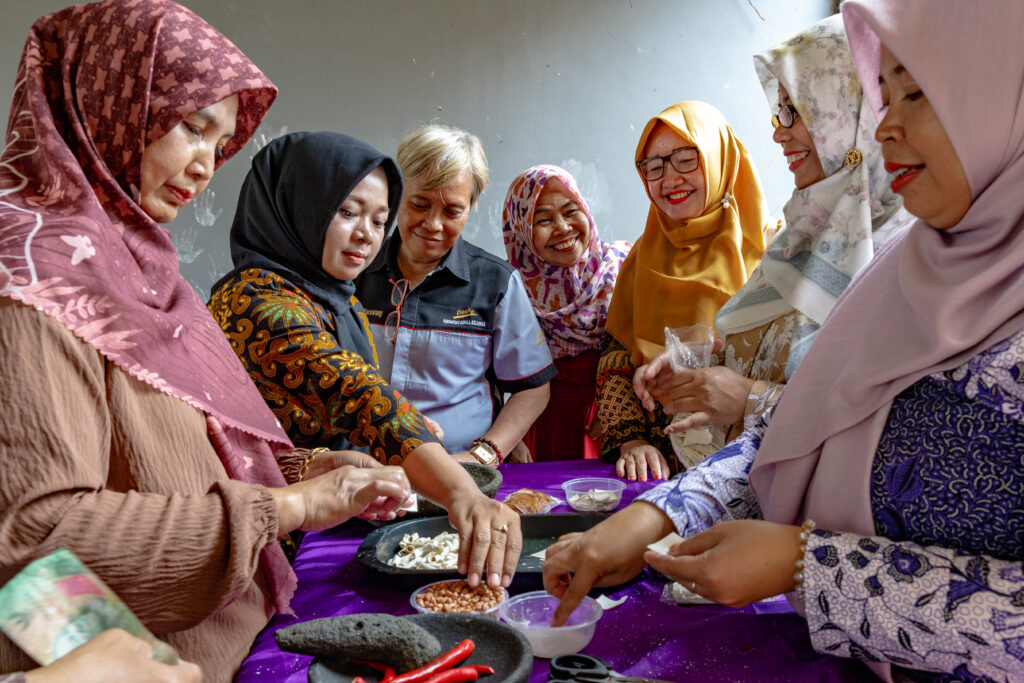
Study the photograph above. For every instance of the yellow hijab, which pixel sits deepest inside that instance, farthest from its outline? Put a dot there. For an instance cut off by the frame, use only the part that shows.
(680, 274)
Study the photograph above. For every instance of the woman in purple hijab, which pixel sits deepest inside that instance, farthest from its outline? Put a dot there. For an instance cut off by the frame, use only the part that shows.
(901, 435)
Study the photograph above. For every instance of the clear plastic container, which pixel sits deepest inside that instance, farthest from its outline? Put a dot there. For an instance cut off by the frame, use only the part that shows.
(531, 613)
(489, 612)
(593, 494)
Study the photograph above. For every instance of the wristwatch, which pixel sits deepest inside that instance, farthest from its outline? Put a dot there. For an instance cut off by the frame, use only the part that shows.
(484, 453)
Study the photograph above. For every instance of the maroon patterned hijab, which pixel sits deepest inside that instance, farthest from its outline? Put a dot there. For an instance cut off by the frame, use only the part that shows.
(96, 84)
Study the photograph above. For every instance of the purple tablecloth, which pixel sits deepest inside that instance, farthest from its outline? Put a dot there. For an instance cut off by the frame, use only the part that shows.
(643, 636)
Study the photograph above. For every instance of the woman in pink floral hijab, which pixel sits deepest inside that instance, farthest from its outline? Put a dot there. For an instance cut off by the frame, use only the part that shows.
(569, 273)
(132, 434)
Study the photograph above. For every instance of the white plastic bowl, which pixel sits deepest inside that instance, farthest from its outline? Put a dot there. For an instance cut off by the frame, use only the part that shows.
(491, 612)
(593, 494)
(531, 613)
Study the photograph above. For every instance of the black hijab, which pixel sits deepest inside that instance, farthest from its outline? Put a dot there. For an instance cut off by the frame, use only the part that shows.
(295, 187)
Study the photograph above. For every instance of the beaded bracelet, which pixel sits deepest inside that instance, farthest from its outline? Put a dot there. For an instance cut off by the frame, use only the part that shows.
(491, 445)
(304, 467)
(805, 533)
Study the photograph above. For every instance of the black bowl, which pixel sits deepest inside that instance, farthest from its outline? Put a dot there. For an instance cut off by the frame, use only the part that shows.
(497, 644)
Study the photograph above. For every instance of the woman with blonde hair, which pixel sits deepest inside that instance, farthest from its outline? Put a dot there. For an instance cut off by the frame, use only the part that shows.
(457, 329)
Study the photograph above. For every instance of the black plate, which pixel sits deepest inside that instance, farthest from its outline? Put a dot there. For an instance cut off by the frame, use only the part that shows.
(497, 645)
(539, 531)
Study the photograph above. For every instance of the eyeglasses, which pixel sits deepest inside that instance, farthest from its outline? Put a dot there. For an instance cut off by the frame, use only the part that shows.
(398, 291)
(684, 160)
(786, 117)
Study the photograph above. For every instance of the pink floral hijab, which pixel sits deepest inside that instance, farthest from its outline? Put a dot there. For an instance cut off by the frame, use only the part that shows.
(96, 84)
(571, 303)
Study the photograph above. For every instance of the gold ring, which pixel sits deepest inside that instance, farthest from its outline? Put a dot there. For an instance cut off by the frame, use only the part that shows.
(503, 528)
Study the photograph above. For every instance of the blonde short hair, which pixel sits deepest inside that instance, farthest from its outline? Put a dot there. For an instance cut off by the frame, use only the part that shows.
(438, 153)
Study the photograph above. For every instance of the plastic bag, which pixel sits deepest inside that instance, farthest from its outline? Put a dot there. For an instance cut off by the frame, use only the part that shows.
(530, 502)
(690, 348)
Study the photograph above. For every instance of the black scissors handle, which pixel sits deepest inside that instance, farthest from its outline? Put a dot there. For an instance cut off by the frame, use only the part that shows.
(568, 667)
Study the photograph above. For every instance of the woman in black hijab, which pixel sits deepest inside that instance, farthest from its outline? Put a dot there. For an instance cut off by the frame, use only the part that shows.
(311, 215)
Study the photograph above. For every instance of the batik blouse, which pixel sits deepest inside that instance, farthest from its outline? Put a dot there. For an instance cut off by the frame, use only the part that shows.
(941, 585)
(322, 394)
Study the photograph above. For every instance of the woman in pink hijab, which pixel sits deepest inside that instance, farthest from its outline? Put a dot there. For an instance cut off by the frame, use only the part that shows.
(912, 464)
(569, 273)
(132, 435)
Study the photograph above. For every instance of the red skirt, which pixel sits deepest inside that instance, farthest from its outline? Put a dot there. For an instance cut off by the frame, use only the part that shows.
(560, 433)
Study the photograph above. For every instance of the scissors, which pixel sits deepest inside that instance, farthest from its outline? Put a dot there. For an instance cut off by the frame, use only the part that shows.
(586, 668)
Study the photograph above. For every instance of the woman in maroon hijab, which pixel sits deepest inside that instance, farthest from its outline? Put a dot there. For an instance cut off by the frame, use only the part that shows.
(132, 435)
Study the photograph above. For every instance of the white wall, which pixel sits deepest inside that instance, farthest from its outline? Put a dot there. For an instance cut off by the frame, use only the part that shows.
(569, 82)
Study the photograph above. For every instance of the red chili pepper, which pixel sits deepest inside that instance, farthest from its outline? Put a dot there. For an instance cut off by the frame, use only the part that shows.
(481, 668)
(388, 671)
(440, 663)
(463, 673)
(358, 679)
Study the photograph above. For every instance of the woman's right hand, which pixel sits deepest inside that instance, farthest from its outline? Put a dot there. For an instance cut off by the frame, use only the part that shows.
(637, 457)
(334, 497)
(608, 554)
(114, 656)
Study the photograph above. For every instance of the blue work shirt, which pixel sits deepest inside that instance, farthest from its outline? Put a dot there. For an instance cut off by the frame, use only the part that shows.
(467, 336)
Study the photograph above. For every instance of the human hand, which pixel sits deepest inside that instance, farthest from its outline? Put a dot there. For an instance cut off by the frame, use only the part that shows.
(713, 396)
(637, 457)
(334, 497)
(434, 427)
(464, 456)
(520, 454)
(490, 539)
(734, 563)
(114, 656)
(322, 463)
(608, 554)
(653, 380)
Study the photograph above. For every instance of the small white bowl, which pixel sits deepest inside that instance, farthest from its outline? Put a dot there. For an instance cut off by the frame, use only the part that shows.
(531, 613)
(593, 494)
(490, 612)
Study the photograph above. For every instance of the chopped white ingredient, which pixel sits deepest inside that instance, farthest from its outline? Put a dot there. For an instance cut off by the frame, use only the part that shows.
(422, 552)
(595, 499)
(664, 544)
(608, 603)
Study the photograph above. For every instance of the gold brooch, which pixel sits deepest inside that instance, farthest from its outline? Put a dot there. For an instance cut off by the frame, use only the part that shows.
(853, 158)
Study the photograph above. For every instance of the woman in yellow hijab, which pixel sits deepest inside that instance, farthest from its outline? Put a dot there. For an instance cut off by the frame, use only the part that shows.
(706, 230)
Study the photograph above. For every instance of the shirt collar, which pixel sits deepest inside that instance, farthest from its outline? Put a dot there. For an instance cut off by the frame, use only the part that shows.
(456, 261)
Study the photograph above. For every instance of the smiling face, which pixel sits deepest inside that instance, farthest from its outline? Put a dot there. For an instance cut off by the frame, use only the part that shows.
(799, 149)
(357, 230)
(430, 221)
(680, 196)
(925, 167)
(179, 166)
(561, 230)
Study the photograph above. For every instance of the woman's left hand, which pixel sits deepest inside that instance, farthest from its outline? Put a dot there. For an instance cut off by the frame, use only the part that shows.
(324, 462)
(734, 563)
(490, 539)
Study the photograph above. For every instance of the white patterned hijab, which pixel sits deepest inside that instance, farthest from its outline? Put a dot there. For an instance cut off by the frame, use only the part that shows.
(834, 226)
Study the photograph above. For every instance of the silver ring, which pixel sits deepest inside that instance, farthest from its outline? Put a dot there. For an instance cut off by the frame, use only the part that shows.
(503, 528)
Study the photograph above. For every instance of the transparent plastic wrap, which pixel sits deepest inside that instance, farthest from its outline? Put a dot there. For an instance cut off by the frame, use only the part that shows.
(691, 348)
(531, 502)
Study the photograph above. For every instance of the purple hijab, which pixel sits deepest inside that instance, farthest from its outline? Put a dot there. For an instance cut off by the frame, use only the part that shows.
(931, 299)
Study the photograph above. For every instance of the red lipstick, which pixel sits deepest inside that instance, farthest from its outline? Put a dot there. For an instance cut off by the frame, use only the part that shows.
(903, 174)
(183, 195)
